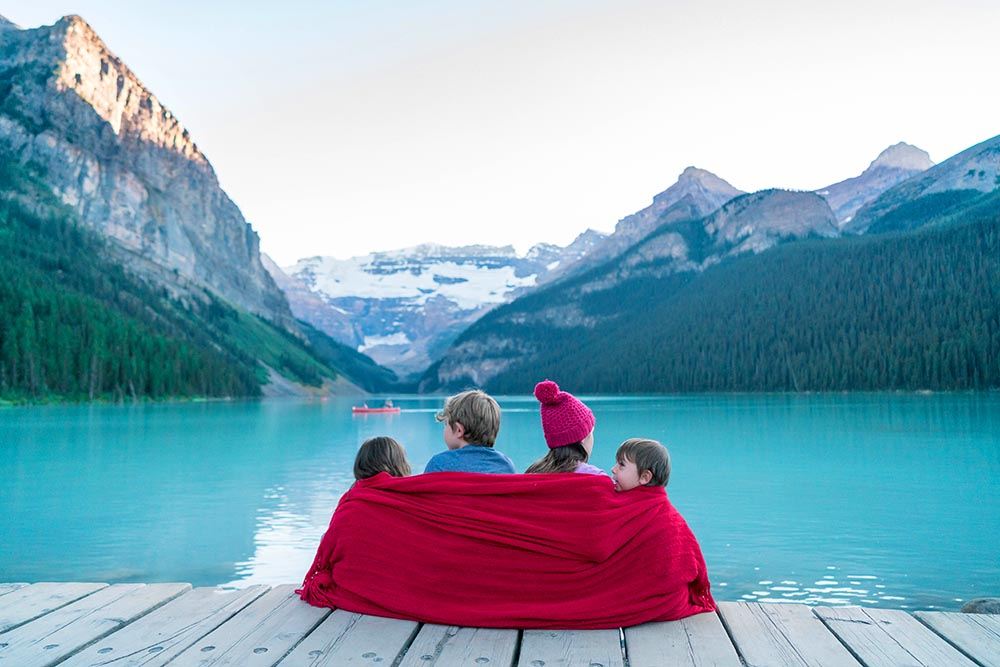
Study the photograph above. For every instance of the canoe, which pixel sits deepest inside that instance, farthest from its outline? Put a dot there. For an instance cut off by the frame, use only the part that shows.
(364, 411)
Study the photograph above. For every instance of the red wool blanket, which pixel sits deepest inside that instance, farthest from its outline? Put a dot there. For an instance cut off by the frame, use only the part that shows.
(509, 551)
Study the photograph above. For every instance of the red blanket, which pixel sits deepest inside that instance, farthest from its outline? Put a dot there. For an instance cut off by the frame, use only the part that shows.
(509, 551)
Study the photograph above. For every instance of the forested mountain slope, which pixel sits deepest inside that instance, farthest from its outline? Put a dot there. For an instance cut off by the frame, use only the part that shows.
(913, 309)
(76, 325)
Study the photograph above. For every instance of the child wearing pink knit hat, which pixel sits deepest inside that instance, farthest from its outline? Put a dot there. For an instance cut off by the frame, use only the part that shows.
(568, 426)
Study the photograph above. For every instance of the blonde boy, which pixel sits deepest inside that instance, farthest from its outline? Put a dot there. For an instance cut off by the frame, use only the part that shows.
(471, 422)
(640, 462)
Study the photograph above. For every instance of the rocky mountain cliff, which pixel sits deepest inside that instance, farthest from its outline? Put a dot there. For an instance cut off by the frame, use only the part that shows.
(678, 249)
(961, 177)
(404, 307)
(893, 165)
(75, 115)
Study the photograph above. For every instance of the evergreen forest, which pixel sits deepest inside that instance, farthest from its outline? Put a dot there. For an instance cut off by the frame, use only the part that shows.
(900, 310)
(75, 325)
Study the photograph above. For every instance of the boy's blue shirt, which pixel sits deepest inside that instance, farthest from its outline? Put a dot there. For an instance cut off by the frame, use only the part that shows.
(471, 458)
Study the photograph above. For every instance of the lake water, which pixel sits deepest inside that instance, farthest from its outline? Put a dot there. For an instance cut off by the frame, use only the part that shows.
(877, 499)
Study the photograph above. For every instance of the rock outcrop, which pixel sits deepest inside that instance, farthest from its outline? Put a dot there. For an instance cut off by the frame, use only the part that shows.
(77, 116)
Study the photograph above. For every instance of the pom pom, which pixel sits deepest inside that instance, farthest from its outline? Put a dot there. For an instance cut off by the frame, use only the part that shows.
(546, 392)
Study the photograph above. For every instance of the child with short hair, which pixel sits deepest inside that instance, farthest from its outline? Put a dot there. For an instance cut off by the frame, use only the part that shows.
(641, 462)
(471, 422)
(568, 426)
(381, 454)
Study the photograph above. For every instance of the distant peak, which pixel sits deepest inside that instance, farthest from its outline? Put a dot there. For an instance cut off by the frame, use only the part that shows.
(590, 234)
(74, 23)
(7, 24)
(696, 173)
(74, 20)
(695, 180)
(706, 179)
(903, 156)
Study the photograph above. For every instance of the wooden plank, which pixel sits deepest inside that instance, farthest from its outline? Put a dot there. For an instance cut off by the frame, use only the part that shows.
(160, 636)
(785, 635)
(976, 635)
(28, 603)
(260, 635)
(10, 588)
(444, 646)
(884, 637)
(345, 638)
(49, 639)
(571, 648)
(699, 640)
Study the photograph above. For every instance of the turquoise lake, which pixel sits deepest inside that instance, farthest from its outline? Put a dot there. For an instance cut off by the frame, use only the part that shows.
(877, 499)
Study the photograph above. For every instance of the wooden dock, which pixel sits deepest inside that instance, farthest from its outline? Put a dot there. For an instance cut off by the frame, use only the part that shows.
(157, 624)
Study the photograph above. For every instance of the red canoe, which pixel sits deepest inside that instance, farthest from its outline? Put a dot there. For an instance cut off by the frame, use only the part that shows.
(366, 410)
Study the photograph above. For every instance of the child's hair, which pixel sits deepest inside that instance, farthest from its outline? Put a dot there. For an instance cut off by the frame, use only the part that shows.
(646, 455)
(381, 454)
(560, 459)
(477, 412)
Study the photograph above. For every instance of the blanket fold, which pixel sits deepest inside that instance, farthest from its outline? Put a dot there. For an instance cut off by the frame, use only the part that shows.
(509, 551)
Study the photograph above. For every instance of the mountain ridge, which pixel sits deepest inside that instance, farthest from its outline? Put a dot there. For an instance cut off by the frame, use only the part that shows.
(695, 193)
(976, 169)
(893, 165)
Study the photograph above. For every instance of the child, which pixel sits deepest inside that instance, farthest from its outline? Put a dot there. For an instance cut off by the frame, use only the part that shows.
(641, 462)
(381, 454)
(471, 422)
(568, 425)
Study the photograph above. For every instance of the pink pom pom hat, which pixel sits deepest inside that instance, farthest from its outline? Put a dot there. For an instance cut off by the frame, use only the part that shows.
(565, 419)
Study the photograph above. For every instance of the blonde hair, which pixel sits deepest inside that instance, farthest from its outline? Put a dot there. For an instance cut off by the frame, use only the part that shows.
(477, 412)
(646, 455)
(560, 459)
(381, 454)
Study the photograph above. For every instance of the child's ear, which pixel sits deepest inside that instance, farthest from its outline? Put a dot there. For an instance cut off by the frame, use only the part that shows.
(459, 430)
(645, 477)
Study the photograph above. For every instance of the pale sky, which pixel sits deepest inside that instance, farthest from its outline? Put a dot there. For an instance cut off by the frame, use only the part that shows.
(342, 128)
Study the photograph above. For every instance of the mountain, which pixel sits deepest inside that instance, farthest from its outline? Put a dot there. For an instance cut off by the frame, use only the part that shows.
(126, 271)
(934, 192)
(404, 307)
(892, 166)
(695, 194)
(126, 166)
(678, 249)
(903, 310)
(806, 316)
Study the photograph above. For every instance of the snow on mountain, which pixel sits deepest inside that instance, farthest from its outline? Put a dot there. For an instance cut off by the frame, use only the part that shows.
(406, 306)
(468, 280)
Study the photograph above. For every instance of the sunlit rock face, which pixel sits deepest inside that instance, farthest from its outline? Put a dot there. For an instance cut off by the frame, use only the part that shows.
(107, 147)
(404, 307)
(892, 166)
